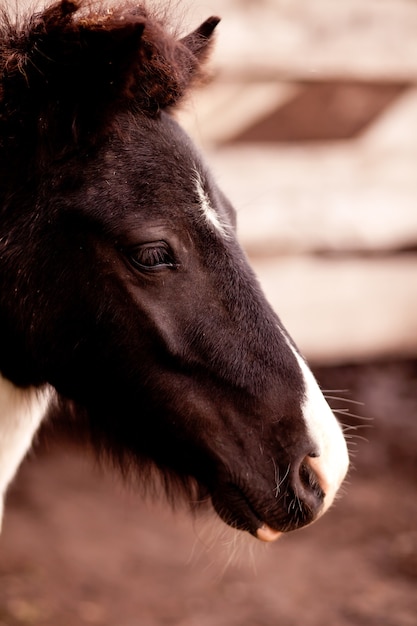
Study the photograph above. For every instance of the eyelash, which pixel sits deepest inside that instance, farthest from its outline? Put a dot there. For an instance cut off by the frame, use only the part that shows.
(152, 257)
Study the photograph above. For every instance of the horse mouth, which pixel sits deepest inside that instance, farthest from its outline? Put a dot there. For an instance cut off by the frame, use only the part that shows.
(236, 509)
(266, 521)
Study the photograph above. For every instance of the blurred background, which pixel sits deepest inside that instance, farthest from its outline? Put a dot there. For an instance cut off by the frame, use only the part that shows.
(309, 121)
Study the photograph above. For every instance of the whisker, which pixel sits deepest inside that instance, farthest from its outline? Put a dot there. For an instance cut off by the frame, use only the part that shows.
(342, 399)
(276, 478)
(285, 476)
(356, 437)
(345, 411)
(346, 427)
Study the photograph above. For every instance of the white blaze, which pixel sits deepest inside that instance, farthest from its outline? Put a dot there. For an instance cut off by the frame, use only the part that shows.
(327, 439)
(21, 412)
(209, 213)
(332, 462)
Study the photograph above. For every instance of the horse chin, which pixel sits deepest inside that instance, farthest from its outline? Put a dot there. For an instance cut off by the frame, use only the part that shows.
(266, 521)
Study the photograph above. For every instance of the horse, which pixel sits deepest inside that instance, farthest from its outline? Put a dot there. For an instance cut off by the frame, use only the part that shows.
(126, 299)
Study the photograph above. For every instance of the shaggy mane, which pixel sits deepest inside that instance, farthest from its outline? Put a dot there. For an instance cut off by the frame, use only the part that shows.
(68, 70)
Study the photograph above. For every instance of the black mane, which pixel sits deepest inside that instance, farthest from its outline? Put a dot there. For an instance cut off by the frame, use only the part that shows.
(67, 71)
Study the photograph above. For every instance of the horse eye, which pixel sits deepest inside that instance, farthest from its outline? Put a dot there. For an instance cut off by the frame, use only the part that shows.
(152, 256)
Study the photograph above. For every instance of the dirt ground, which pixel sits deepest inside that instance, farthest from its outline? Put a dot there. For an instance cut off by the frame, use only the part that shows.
(77, 548)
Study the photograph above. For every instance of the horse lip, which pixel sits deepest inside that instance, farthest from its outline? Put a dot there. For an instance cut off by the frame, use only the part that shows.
(267, 534)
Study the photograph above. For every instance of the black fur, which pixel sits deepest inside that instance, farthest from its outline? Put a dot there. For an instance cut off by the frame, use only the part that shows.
(115, 289)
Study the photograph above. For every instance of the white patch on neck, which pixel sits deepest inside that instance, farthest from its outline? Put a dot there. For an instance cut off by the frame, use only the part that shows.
(207, 210)
(332, 462)
(21, 412)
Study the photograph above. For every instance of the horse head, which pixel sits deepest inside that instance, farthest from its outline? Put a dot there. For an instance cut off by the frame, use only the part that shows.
(124, 286)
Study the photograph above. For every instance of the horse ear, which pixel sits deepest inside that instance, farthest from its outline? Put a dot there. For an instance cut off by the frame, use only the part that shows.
(199, 42)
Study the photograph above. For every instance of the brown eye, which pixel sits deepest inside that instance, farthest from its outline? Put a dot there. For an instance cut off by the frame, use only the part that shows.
(152, 256)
